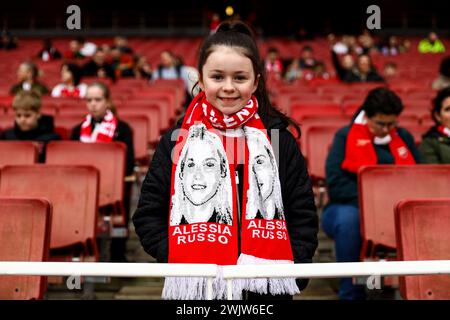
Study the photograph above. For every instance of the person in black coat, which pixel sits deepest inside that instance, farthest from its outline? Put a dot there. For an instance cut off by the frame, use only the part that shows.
(151, 219)
(99, 67)
(101, 114)
(30, 124)
(363, 72)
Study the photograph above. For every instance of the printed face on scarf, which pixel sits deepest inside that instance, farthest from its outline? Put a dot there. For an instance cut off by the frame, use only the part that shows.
(262, 166)
(201, 172)
(228, 79)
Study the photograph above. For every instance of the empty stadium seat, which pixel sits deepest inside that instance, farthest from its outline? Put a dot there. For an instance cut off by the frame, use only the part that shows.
(109, 159)
(17, 152)
(382, 186)
(318, 141)
(73, 192)
(25, 236)
(422, 229)
(139, 125)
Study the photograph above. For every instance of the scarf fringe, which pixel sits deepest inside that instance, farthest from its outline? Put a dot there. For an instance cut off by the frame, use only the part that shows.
(195, 288)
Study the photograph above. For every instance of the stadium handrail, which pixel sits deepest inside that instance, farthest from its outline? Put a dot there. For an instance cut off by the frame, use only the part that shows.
(230, 272)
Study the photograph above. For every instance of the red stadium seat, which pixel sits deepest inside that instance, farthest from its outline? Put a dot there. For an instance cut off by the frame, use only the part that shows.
(152, 115)
(298, 112)
(382, 186)
(318, 141)
(422, 229)
(17, 152)
(68, 121)
(109, 159)
(139, 125)
(73, 192)
(25, 236)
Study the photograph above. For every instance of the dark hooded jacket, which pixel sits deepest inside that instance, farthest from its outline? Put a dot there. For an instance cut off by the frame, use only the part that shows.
(151, 217)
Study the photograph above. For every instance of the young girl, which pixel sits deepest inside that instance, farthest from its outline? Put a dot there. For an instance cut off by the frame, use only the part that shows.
(261, 189)
(102, 125)
(71, 86)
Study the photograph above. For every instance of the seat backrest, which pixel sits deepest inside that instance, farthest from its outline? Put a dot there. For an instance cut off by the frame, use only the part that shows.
(72, 190)
(422, 227)
(318, 142)
(25, 236)
(17, 152)
(108, 158)
(382, 186)
(154, 125)
(139, 125)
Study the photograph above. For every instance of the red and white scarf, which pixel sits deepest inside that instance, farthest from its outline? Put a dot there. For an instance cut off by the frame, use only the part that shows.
(359, 149)
(203, 217)
(103, 132)
(445, 131)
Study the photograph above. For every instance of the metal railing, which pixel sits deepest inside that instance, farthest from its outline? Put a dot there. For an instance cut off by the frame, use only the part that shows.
(230, 272)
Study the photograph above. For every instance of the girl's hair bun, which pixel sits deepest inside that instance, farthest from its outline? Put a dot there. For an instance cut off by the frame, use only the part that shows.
(238, 26)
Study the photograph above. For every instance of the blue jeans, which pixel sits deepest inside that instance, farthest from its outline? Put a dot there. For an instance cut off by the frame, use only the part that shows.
(341, 222)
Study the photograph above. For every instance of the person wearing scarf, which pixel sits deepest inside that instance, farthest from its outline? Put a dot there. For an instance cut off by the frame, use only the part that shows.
(435, 146)
(228, 185)
(101, 125)
(372, 138)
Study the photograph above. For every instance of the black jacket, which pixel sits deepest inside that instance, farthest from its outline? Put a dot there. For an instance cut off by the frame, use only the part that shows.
(123, 134)
(43, 134)
(151, 217)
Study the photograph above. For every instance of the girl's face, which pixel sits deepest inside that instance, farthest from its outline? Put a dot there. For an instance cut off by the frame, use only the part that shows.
(201, 174)
(444, 115)
(96, 102)
(66, 75)
(228, 79)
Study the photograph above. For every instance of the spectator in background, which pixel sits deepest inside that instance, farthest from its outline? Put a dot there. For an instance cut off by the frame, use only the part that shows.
(215, 21)
(373, 138)
(102, 125)
(87, 49)
(366, 41)
(390, 70)
(273, 64)
(431, 44)
(48, 51)
(435, 146)
(122, 63)
(364, 71)
(141, 70)
(121, 43)
(443, 81)
(70, 86)
(171, 68)
(98, 67)
(8, 42)
(293, 71)
(74, 51)
(392, 46)
(344, 66)
(319, 72)
(27, 75)
(307, 60)
(29, 123)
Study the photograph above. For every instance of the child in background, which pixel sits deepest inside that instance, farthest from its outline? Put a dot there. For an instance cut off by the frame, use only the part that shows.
(30, 124)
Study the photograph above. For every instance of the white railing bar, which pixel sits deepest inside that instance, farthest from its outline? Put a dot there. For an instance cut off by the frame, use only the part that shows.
(105, 269)
(306, 270)
(338, 270)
